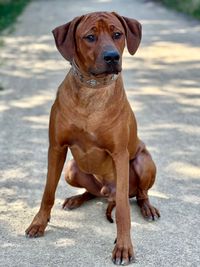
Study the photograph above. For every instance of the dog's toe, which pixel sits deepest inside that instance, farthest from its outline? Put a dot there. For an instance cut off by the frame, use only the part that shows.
(148, 211)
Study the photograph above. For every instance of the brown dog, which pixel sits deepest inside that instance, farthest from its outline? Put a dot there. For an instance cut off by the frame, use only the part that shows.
(91, 115)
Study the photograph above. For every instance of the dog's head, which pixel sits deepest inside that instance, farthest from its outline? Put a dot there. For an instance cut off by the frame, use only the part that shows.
(96, 41)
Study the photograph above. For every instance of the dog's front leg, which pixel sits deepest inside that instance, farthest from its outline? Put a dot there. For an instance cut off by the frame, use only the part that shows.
(56, 159)
(123, 251)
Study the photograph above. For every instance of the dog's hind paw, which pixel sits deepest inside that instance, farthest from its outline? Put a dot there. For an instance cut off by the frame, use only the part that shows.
(76, 201)
(148, 211)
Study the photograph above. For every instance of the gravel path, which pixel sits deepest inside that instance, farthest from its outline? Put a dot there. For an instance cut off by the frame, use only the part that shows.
(162, 83)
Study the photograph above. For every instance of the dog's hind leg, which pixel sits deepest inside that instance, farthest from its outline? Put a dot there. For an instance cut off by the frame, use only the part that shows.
(75, 177)
(145, 171)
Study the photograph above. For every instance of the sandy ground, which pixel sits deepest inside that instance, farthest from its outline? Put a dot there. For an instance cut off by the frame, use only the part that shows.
(162, 82)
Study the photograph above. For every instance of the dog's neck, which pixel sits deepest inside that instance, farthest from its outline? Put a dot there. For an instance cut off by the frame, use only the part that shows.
(92, 81)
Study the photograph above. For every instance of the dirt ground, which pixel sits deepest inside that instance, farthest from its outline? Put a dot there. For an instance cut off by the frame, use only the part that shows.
(162, 82)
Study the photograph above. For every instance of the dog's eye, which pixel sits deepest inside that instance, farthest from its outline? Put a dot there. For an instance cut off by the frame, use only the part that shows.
(90, 38)
(117, 35)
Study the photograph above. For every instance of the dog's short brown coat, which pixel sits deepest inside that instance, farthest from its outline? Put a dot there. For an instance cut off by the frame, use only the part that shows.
(92, 116)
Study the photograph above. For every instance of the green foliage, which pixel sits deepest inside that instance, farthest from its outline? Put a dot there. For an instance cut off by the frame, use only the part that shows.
(9, 10)
(1, 43)
(191, 7)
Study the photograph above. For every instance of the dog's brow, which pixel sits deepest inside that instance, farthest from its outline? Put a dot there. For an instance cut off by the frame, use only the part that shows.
(89, 31)
(94, 28)
(114, 28)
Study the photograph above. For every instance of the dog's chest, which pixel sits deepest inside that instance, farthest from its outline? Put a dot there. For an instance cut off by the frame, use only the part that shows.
(89, 150)
(91, 159)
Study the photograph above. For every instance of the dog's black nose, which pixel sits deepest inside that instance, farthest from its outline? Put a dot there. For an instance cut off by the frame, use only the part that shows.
(111, 57)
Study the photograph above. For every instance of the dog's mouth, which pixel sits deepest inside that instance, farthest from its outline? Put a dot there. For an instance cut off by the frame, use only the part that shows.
(109, 70)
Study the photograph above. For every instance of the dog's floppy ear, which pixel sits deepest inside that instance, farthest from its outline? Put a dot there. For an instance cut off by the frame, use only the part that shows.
(133, 30)
(64, 36)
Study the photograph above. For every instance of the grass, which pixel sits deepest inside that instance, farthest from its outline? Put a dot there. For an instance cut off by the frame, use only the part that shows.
(9, 11)
(1, 43)
(190, 7)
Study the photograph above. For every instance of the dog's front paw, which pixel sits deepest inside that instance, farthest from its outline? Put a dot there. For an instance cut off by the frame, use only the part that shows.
(37, 227)
(123, 253)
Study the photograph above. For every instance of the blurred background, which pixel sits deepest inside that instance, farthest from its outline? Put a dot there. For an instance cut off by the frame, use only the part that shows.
(191, 7)
(10, 9)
